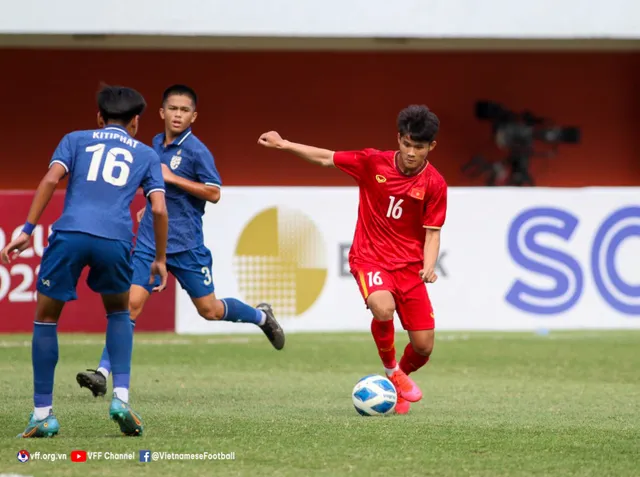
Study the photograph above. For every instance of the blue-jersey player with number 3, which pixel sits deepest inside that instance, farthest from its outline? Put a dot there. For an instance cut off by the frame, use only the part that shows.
(105, 166)
(192, 180)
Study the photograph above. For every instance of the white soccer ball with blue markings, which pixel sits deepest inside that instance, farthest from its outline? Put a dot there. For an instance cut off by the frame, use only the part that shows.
(374, 395)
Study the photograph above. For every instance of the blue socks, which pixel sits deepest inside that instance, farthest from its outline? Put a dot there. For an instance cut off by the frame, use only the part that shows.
(105, 365)
(44, 356)
(238, 312)
(119, 349)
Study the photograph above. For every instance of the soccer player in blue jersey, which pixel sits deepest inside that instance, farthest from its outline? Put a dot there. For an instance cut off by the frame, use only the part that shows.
(105, 167)
(192, 180)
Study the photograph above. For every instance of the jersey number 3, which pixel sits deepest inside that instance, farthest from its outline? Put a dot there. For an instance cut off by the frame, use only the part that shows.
(112, 163)
(394, 211)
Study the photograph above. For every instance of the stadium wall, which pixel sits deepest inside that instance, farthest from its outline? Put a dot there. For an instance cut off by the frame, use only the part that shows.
(339, 100)
(18, 279)
(511, 259)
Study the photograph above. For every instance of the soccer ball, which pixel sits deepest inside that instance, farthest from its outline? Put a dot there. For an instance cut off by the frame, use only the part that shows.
(374, 395)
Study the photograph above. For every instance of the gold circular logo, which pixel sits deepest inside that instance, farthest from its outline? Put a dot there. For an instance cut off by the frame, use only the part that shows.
(280, 259)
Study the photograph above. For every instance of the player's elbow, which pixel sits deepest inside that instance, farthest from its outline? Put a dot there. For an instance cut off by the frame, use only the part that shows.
(159, 208)
(53, 176)
(327, 161)
(49, 181)
(158, 203)
(213, 194)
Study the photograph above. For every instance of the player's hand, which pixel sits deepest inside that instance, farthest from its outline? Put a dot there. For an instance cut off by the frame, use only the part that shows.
(271, 139)
(140, 214)
(15, 248)
(159, 269)
(428, 276)
(167, 175)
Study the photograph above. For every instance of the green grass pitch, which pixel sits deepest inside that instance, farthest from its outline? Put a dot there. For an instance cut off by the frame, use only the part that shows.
(495, 404)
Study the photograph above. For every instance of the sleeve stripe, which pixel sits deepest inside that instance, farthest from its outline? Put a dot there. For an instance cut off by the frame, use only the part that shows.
(155, 190)
(61, 163)
(213, 184)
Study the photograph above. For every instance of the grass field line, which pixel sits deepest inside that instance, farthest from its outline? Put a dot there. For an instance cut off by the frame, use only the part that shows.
(142, 341)
(177, 341)
(23, 340)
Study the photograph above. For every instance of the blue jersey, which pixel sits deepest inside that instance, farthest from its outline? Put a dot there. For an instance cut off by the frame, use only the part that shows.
(105, 167)
(189, 158)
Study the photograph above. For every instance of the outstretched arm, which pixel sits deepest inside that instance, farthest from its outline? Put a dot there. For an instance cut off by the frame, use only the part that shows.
(314, 155)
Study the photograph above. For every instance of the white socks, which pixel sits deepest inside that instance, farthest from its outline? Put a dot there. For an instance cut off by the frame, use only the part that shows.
(122, 394)
(263, 319)
(104, 372)
(41, 413)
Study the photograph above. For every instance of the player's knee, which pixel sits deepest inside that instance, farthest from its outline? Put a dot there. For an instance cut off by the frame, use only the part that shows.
(382, 305)
(424, 348)
(211, 311)
(135, 309)
(384, 312)
(134, 312)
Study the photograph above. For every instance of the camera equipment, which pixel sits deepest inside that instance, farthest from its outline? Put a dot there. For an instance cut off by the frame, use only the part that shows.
(517, 133)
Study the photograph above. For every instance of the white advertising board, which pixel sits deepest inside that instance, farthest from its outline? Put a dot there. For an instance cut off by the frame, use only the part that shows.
(511, 259)
(562, 19)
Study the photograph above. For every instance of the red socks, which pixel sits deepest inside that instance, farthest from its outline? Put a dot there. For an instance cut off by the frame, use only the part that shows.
(384, 336)
(412, 361)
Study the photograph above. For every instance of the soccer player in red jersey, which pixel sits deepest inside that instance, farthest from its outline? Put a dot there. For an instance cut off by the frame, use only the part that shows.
(403, 202)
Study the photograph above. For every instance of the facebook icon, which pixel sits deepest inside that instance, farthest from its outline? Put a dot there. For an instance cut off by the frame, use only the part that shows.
(145, 456)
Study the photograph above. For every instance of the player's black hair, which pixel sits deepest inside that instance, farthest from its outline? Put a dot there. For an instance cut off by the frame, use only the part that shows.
(419, 123)
(119, 103)
(181, 90)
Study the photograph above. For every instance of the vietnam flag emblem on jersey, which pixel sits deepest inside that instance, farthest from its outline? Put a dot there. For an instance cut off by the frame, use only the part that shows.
(417, 193)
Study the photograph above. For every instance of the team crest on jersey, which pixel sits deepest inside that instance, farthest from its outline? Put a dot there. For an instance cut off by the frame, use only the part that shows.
(381, 179)
(175, 162)
(417, 193)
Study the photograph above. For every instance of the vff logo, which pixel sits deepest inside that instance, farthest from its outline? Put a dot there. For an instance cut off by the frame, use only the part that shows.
(23, 456)
(561, 267)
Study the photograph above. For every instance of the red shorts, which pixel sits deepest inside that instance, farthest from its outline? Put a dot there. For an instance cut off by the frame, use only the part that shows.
(409, 291)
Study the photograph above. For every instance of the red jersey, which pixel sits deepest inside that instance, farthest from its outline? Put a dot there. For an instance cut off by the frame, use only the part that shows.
(394, 208)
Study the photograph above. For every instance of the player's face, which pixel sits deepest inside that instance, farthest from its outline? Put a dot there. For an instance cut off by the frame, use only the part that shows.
(413, 154)
(178, 113)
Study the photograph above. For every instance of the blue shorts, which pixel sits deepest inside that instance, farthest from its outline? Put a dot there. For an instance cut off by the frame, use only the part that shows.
(69, 252)
(192, 269)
